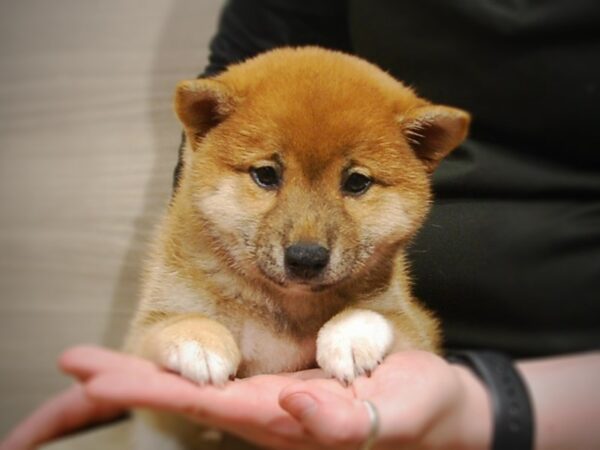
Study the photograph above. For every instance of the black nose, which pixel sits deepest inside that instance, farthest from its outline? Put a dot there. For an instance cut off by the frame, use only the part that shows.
(306, 260)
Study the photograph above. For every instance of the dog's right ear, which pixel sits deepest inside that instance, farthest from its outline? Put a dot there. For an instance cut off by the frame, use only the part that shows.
(202, 104)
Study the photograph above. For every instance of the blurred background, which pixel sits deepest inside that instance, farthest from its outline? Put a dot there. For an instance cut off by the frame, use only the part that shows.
(88, 143)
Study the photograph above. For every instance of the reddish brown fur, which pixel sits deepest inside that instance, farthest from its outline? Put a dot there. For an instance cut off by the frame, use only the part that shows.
(313, 114)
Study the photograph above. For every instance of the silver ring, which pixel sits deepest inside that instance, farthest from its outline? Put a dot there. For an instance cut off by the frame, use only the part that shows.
(374, 420)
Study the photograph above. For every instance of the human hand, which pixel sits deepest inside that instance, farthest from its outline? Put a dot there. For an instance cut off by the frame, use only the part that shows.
(422, 401)
(248, 408)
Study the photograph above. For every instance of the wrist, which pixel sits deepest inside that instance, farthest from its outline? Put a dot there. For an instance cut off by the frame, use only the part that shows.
(474, 421)
(513, 419)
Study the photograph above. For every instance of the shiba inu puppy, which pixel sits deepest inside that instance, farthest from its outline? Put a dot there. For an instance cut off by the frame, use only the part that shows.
(306, 173)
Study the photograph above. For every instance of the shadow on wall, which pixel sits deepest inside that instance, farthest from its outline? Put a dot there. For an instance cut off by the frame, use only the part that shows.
(181, 52)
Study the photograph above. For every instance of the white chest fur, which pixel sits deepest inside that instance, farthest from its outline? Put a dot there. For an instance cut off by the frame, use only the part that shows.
(265, 351)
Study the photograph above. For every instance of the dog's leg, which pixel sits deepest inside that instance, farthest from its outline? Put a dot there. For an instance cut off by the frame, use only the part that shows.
(198, 348)
(355, 341)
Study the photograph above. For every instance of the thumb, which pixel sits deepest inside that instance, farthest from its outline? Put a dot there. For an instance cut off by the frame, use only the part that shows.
(333, 420)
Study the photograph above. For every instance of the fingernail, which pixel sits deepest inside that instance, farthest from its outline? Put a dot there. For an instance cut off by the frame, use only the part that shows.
(299, 404)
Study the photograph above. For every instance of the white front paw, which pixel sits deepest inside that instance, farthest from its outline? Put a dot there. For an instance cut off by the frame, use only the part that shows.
(197, 363)
(353, 343)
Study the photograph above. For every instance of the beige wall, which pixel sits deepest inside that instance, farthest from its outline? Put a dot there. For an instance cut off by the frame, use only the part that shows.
(87, 146)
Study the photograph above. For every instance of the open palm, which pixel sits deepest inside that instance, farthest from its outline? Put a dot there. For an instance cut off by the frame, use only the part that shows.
(249, 408)
(423, 402)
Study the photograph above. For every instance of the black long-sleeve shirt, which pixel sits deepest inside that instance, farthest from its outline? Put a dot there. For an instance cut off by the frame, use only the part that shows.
(510, 255)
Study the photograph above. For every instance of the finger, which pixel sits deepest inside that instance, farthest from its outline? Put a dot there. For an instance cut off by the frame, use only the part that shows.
(170, 392)
(66, 412)
(147, 389)
(333, 420)
(85, 361)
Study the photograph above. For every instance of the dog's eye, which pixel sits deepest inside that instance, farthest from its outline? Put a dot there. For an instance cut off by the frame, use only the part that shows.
(266, 177)
(356, 184)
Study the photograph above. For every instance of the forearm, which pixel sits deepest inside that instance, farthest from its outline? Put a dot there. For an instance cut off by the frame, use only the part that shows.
(565, 394)
(565, 397)
(475, 423)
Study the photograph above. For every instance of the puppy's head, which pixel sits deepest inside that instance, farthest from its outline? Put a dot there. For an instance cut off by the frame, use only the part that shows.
(306, 166)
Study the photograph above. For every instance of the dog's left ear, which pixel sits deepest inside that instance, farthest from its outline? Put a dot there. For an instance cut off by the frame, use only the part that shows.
(202, 104)
(433, 131)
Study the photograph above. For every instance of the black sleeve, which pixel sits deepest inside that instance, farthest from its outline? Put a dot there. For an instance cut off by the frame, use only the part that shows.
(249, 27)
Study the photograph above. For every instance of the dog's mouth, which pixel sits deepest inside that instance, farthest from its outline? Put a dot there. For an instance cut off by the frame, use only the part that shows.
(314, 287)
(290, 283)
